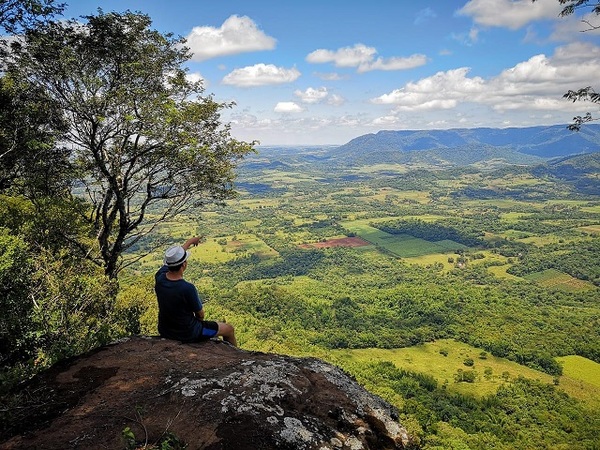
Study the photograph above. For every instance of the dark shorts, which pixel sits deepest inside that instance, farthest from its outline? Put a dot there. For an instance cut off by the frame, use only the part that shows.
(209, 329)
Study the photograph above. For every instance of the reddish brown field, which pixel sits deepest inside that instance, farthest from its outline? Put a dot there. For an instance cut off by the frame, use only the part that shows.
(341, 242)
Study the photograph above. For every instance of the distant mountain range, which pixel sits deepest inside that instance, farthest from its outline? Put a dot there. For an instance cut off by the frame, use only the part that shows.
(466, 146)
(581, 171)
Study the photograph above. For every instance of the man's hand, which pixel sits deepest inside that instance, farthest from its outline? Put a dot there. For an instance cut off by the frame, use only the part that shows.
(193, 241)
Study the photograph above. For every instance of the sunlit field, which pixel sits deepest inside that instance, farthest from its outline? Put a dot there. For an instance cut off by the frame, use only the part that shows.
(442, 359)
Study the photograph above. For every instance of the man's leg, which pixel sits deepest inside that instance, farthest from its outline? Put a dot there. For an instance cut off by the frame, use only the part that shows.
(227, 332)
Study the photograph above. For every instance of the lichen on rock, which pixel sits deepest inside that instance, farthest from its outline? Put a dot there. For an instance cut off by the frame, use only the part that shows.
(210, 395)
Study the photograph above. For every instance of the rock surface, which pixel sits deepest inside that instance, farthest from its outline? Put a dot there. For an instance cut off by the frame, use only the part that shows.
(206, 396)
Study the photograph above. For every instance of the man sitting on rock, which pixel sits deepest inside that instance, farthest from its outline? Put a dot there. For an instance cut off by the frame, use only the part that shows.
(180, 310)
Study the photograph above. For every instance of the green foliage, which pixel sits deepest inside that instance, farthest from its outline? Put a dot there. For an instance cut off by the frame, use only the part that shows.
(581, 262)
(55, 303)
(522, 414)
(462, 232)
(30, 162)
(16, 323)
(143, 136)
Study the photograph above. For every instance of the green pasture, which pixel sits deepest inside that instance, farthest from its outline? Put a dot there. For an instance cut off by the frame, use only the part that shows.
(402, 245)
(512, 217)
(580, 368)
(428, 359)
(426, 217)
(417, 196)
(253, 203)
(430, 260)
(252, 223)
(500, 272)
(249, 244)
(567, 202)
(547, 239)
(506, 204)
(591, 209)
(592, 229)
(375, 168)
(515, 234)
(552, 278)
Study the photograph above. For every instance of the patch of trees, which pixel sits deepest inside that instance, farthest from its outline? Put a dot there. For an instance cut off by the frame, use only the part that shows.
(522, 414)
(581, 262)
(463, 232)
(293, 262)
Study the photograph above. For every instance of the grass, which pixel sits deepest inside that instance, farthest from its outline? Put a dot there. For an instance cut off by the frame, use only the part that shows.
(552, 278)
(580, 368)
(547, 239)
(512, 217)
(500, 272)
(428, 358)
(401, 245)
(593, 229)
(429, 260)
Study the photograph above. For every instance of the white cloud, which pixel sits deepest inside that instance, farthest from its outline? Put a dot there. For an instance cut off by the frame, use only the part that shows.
(535, 84)
(236, 35)
(343, 57)
(363, 58)
(440, 90)
(570, 28)
(312, 95)
(511, 14)
(393, 63)
(467, 39)
(287, 107)
(335, 100)
(195, 77)
(261, 75)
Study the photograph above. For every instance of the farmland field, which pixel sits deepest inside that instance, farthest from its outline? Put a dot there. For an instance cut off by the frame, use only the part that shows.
(555, 279)
(444, 358)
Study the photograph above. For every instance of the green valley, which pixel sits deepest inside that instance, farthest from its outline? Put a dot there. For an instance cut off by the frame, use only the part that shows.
(459, 295)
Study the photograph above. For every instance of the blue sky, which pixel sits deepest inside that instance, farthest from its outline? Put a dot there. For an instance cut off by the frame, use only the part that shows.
(318, 72)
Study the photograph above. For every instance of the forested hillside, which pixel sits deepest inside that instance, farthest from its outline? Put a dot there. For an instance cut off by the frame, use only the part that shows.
(514, 145)
(497, 270)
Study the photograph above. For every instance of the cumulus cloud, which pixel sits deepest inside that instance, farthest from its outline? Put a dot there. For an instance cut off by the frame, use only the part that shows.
(441, 90)
(343, 57)
(364, 59)
(261, 75)
(511, 14)
(393, 63)
(335, 100)
(287, 107)
(312, 95)
(535, 84)
(236, 35)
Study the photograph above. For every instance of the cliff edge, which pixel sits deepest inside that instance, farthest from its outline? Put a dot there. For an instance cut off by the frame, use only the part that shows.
(142, 392)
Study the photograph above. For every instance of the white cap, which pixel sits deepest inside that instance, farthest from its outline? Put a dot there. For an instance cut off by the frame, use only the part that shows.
(175, 256)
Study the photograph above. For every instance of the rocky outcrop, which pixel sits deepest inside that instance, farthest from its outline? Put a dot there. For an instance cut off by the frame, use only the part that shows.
(147, 391)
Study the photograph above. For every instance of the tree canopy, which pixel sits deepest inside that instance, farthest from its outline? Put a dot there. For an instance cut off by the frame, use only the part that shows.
(138, 131)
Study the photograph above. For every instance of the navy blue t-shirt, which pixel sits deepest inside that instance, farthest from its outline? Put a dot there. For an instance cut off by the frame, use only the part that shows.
(177, 303)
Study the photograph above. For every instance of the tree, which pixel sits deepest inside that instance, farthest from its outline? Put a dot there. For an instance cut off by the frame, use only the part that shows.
(30, 162)
(587, 93)
(140, 134)
(27, 151)
(17, 15)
